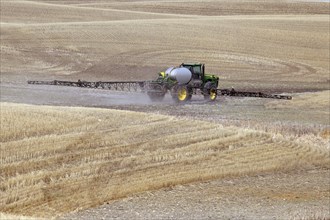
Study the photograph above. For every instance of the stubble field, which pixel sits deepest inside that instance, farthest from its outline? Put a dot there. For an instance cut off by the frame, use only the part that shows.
(263, 155)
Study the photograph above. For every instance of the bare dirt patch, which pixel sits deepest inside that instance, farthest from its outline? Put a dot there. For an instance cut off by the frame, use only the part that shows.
(280, 196)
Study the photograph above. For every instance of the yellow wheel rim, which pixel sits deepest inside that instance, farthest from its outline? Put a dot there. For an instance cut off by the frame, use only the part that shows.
(182, 94)
(213, 94)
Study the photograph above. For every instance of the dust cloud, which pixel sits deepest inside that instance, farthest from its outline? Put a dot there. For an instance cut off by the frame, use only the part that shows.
(71, 96)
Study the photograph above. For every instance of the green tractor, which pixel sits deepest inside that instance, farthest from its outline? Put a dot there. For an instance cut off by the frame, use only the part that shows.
(184, 81)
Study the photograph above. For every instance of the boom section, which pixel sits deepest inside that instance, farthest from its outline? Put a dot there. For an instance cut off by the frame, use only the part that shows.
(136, 86)
(232, 92)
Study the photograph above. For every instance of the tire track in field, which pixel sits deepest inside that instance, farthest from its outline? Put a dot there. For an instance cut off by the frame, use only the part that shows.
(38, 12)
(251, 63)
(215, 8)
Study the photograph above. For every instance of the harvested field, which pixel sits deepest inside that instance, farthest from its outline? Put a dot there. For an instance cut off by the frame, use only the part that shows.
(216, 7)
(90, 156)
(66, 151)
(274, 52)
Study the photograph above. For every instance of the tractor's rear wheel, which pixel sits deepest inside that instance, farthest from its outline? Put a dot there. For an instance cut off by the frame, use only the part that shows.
(156, 96)
(156, 92)
(210, 91)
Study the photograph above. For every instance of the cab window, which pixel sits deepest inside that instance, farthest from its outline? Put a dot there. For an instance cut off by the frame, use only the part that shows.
(197, 70)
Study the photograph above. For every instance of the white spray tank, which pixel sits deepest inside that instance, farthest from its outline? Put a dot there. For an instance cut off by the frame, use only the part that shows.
(180, 74)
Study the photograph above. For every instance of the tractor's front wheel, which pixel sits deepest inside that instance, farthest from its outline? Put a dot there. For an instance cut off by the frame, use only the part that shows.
(181, 94)
(210, 91)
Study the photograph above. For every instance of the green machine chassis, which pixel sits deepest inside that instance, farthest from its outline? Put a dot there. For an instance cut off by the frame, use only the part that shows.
(201, 83)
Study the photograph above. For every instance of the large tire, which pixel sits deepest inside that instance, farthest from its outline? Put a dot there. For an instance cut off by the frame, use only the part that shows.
(156, 92)
(156, 96)
(181, 94)
(210, 91)
(190, 92)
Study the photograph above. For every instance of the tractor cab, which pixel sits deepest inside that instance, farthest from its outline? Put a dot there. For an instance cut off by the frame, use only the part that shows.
(198, 73)
(197, 69)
